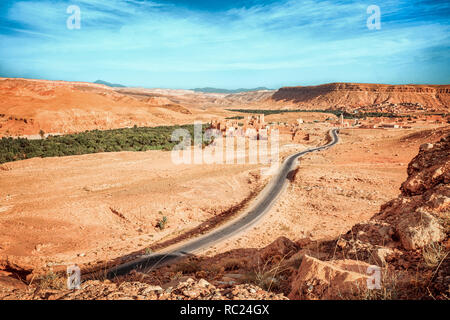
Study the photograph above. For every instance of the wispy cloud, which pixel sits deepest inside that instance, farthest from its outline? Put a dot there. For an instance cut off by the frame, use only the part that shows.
(133, 41)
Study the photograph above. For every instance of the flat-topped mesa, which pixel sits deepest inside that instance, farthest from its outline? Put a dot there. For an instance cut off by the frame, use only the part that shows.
(351, 95)
(342, 86)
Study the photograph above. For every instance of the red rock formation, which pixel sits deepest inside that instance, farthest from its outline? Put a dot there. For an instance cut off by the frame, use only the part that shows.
(352, 95)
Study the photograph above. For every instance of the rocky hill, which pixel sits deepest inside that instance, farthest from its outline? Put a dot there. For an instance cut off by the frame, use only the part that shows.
(349, 96)
(28, 106)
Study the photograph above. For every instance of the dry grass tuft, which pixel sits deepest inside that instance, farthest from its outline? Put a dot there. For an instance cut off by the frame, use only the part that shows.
(268, 277)
(52, 281)
(433, 254)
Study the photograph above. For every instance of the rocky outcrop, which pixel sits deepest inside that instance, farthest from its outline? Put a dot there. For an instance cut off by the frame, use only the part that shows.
(419, 229)
(410, 232)
(328, 280)
(421, 213)
(352, 95)
(430, 168)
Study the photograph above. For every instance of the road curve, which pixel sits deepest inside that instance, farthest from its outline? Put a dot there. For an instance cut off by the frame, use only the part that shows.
(262, 205)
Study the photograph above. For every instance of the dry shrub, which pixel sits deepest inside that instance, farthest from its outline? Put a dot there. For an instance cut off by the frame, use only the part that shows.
(268, 277)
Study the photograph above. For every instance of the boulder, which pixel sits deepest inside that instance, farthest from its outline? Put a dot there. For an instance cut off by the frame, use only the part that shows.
(419, 229)
(316, 279)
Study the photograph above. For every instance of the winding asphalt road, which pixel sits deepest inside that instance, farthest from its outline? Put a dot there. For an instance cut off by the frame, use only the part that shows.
(262, 205)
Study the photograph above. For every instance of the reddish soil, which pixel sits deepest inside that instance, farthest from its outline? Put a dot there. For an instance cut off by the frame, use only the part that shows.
(93, 208)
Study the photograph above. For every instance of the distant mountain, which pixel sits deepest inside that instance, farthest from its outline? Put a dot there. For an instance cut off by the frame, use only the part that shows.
(216, 90)
(114, 85)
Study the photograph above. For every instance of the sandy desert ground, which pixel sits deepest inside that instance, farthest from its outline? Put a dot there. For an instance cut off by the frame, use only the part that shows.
(97, 207)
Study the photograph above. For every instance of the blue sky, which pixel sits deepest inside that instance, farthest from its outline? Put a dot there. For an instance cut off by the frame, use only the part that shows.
(226, 44)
